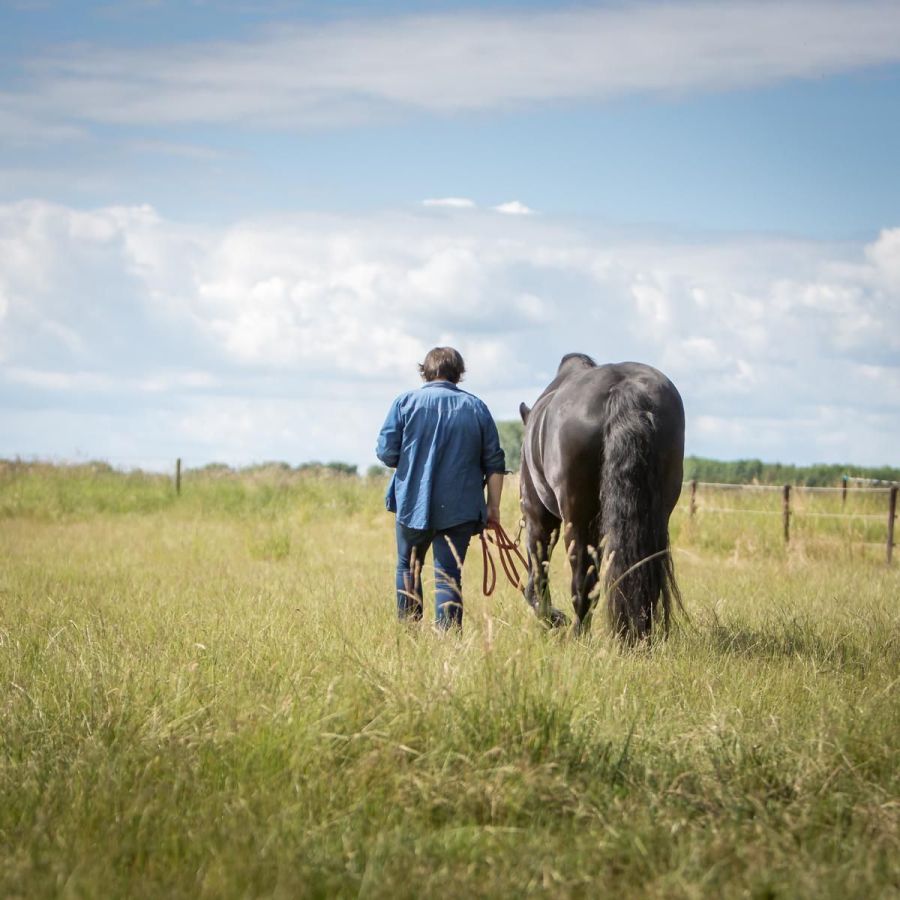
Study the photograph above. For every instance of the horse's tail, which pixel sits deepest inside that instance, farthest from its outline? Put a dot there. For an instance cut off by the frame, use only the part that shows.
(633, 520)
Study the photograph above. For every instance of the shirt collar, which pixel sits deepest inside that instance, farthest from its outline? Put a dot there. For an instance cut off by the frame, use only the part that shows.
(441, 384)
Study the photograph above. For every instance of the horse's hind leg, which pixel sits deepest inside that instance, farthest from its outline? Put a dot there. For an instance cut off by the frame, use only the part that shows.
(542, 533)
(541, 542)
(542, 538)
(584, 558)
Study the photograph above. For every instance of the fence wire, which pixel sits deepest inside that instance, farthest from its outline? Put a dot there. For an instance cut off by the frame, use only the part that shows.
(867, 512)
(800, 489)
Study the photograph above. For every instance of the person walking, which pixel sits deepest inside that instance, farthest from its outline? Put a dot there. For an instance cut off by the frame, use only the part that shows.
(443, 444)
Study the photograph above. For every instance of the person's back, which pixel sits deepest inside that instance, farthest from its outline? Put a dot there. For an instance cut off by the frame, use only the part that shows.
(444, 446)
(440, 464)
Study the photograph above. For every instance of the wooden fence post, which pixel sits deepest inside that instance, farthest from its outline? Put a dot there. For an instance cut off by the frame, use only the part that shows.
(843, 492)
(178, 476)
(786, 512)
(892, 514)
(693, 496)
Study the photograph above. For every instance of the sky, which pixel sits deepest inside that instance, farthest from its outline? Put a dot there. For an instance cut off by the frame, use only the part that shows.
(229, 231)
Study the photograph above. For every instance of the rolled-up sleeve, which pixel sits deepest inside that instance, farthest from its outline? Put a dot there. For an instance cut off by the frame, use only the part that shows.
(390, 438)
(493, 459)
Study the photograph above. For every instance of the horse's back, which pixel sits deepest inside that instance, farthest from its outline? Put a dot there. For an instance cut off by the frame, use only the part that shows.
(571, 421)
(577, 413)
(645, 406)
(645, 389)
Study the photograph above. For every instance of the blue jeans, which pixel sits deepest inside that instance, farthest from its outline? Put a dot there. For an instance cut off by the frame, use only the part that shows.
(449, 547)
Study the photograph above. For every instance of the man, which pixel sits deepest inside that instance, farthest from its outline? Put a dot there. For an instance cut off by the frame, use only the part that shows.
(444, 446)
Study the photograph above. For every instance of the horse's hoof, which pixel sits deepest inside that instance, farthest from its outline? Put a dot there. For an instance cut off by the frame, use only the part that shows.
(558, 619)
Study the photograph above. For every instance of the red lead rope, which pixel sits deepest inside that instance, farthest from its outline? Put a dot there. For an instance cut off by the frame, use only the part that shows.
(496, 535)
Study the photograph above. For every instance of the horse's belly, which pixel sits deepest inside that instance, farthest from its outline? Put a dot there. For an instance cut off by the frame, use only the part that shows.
(541, 487)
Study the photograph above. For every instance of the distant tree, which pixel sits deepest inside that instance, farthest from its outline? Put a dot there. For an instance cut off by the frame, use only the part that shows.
(750, 471)
(217, 468)
(270, 465)
(342, 468)
(511, 441)
(377, 471)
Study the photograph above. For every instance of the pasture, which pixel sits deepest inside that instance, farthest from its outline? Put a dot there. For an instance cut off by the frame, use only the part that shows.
(209, 696)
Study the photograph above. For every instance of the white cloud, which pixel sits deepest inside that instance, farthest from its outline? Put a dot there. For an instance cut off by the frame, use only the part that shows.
(514, 208)
(107, 382)
(884, 256)
(780, 348)
(316, 74)
(172, 148)
(451, 202)
(23, 126)
(60, 381)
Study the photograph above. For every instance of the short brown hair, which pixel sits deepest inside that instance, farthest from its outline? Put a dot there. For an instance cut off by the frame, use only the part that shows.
(443, 362)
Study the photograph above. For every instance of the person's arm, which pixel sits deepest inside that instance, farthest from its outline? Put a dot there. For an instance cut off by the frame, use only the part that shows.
(390, 438)
(494, 492)
(493, 464)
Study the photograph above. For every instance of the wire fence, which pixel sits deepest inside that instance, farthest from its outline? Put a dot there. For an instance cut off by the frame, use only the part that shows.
(861, 511)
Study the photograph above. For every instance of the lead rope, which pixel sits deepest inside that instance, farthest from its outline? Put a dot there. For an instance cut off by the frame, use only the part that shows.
(506, 547)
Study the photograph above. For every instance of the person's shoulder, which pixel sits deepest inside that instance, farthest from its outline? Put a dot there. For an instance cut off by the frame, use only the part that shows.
(402, 402)
(474, 401)
(405, 397)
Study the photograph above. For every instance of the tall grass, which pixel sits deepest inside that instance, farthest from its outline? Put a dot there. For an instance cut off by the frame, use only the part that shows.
(209, 696)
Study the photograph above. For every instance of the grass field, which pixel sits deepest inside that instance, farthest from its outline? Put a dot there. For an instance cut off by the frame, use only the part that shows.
(209, 696)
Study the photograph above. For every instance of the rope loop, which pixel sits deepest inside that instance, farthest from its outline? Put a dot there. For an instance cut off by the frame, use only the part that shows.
(508, 551)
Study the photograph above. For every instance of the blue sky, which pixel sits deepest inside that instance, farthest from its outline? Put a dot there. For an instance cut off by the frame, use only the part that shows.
(229, 231)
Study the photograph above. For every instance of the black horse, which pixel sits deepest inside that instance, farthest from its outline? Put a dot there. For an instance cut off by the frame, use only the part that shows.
(602, 461)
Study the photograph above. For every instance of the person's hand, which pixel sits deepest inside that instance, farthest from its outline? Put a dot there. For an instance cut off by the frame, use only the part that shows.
(493, 518)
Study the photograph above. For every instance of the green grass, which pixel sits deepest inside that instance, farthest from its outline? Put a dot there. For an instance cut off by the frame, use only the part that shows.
(209, 696)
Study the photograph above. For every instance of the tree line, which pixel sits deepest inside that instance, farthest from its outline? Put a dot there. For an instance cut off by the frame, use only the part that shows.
(738, 471)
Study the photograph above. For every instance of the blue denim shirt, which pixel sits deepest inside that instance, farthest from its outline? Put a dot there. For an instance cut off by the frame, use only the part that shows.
(443, 443)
